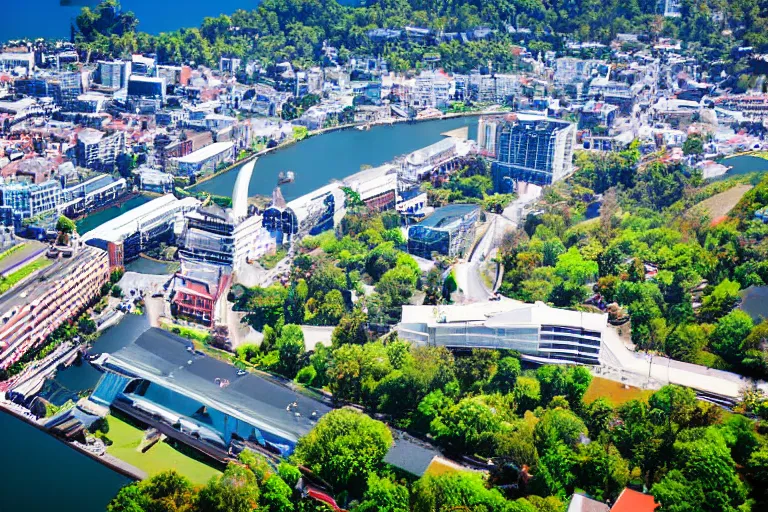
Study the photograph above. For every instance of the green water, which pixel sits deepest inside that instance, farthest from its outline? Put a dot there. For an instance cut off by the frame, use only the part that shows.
(94, 220)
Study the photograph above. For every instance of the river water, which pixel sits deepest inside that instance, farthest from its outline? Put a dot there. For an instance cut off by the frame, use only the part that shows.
(40, 473)
(318, 160)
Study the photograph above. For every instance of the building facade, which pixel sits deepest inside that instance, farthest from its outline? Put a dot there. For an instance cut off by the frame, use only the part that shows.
(539, 332)
(27, 322)
(448, 231)
(532, 149)
(205, 159)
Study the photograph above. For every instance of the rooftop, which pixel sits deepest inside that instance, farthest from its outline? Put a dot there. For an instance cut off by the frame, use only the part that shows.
(443, 217)
(503, 313)
(633, 501)
(205, 153)
(163, 358)
(127, 223)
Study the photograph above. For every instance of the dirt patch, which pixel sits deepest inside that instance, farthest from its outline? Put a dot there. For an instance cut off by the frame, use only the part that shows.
(720, 204)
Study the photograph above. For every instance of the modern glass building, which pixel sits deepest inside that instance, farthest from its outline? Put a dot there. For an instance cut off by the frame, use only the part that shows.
(539, 332)
(310, 214)
(448, 231)
(532, 149)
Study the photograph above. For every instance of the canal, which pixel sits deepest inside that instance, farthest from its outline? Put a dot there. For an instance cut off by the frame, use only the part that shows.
(335, 155)
(94, 220)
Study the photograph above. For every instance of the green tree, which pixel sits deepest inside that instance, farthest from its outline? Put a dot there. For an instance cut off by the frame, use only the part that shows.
(290, 347)
(345, 448)
(384, 495)
(352, 328)
(507, 372)
(720, 301)
(729, 334)
(64, 225)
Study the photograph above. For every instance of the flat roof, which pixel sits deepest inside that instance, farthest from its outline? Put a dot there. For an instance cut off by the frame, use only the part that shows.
(503, 313)
(206, 152)
(113, 229)
(162, 358)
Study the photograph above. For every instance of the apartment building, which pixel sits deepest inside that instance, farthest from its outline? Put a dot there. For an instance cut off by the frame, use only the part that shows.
(97, 150)
(30, 315)
(24, 200)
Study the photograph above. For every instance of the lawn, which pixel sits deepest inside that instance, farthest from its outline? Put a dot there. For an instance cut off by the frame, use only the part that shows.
(614, 391)
(270, 261)
(13, 278)
(161, 457)
(187, 332)
(8, 252)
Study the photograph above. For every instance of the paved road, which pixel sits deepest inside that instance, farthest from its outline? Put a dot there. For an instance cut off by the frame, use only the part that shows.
(638, 369)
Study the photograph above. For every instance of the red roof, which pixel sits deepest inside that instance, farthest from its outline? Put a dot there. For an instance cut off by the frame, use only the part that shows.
(633, 501)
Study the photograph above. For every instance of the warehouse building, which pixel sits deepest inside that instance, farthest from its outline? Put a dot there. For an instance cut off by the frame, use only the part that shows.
(126, 236)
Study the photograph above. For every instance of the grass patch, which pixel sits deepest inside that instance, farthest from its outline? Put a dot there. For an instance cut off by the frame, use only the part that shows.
(270, 261)
(161, 457)
(11, 250)
(614, 391)
(8, 282)
(188, 332)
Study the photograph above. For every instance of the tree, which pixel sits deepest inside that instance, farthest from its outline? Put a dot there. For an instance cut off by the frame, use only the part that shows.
(571, 382)
(456, 491)
(729, 333)
(506, 375)
(384, 495)
(64, 225)
(290, 346)
(693, 145)
(527, 394)
(345, 448)
(720, 301)
(332, 308)
(233, 491)
(558, 426)
(276, 495)
(573, 267)
(352, 328)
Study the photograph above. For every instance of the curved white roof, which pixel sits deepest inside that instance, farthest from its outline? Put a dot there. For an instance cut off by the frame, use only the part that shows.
(240, 192)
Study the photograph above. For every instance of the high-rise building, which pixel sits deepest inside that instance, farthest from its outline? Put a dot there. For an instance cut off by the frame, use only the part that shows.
(532, 149)
(114, 74)
(25, 200)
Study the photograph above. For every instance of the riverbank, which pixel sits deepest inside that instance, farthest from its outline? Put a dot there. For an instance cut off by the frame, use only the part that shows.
(314, 133)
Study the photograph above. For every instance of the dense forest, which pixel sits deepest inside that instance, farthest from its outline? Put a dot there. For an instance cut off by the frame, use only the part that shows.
(295, 30)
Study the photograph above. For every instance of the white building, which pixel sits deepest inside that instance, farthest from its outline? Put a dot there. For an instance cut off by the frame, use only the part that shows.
(20, 63)
(539, 332)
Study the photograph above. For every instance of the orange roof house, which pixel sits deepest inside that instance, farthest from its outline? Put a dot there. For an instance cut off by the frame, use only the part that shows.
(633, 501)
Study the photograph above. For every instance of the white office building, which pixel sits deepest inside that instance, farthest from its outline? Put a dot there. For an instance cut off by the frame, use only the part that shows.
(541, 333)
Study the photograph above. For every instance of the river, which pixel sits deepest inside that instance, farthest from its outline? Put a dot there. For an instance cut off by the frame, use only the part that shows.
(40, 474)
(744, 164)
(320, 159)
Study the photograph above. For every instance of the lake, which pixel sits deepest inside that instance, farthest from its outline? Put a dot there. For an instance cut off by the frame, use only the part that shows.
(23, 19)
(744, 164)
(335, 155)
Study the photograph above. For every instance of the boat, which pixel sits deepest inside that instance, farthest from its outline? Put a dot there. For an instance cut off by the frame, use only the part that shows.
(363, 127)
(285, 177)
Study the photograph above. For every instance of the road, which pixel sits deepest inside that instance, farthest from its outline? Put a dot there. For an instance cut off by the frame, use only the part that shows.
(637, 369)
